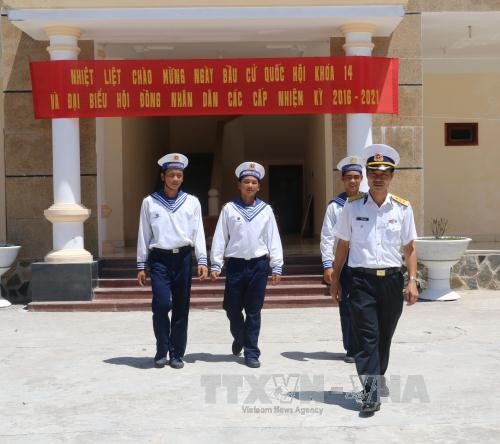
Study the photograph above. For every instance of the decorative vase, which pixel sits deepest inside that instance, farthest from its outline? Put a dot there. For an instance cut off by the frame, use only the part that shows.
(8, 254)
(439, 255)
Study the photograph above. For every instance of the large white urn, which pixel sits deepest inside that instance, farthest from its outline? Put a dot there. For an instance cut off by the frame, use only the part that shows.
(8, 254)
(439, 255)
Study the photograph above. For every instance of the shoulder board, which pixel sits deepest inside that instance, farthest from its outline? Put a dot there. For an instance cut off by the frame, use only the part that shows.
(357, 197)
(400, 200)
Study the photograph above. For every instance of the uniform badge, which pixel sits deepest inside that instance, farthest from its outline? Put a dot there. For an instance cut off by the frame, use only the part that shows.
(252, 165)
(378, 157)
(176, 157)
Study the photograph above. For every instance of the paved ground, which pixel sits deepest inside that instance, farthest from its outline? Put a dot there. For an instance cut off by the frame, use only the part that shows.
(88, 377)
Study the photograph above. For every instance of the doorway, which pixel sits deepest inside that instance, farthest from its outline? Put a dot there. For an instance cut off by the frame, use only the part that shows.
(285, 196)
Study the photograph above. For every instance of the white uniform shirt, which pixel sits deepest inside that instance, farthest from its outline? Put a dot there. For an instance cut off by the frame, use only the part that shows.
(328, 243)
(246, 232)
(376, 234)
(170, 223)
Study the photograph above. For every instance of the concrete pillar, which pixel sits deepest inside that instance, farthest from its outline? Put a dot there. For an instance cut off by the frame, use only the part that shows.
(358, 42)
(66, 214)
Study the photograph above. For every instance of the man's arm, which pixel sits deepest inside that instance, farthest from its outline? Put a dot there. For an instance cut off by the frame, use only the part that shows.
(410, 254)
(340, 258)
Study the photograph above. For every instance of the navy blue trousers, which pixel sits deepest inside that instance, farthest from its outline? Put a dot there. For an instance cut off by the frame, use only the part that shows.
(344, 310)
(246, 282)
(376, 305)
(171, 283)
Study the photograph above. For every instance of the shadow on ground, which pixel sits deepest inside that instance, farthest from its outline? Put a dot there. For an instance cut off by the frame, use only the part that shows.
(132, 361)
(321, 356)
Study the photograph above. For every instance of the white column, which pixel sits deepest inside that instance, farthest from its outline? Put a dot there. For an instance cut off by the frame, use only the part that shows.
(66, 214)
(358, 42)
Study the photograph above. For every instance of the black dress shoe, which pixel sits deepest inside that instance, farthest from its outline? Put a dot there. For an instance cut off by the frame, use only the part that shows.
(176, 363)
(252, 362)
(162, 362)
(370, 406)
(236, 348)
(349, 359)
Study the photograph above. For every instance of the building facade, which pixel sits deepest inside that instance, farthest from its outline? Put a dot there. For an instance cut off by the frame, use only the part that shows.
(448, 74)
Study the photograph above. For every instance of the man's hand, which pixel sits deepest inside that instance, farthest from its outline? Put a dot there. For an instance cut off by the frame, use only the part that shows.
(275, 279)
(202, 272)
(327, 275)
(411, 294)
(214, 275)
(141, 278)
(336, 291)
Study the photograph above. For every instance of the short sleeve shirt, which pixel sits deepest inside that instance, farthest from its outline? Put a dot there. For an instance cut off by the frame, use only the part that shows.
(376, 234)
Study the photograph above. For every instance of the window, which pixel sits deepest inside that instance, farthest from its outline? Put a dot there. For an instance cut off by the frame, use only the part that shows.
(461, 134)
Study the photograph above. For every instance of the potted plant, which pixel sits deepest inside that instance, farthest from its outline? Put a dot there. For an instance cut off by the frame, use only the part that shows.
(8, 254)
(439, 253)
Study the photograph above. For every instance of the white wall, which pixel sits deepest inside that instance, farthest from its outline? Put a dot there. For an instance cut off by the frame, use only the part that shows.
(462, 183)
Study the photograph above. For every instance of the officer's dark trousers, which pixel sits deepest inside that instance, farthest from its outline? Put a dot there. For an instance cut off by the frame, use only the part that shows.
(376, 304)
(246, 282)
(171, 283)
(345, 314)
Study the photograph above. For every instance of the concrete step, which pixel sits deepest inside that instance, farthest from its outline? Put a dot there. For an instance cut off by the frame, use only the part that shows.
(126, 267)
(132, 282)
(107, 305)
(208, 291)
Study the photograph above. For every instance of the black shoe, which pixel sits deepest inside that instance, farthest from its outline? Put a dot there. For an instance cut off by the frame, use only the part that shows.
(252, 362)
(370, 407)
(349, 359)
(162, 362)
(176, 363)
(236, 348)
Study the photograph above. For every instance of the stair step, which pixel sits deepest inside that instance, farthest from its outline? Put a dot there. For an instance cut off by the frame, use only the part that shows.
(126, 267)
(214, 290)
(196, 303)
(132, 282)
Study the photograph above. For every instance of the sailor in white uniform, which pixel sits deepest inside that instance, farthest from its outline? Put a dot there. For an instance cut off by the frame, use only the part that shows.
(170, 227)
(377, 229)
(351, 169)
(247, 238)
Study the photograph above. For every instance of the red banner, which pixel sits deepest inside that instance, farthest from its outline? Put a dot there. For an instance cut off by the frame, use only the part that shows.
(306, 85)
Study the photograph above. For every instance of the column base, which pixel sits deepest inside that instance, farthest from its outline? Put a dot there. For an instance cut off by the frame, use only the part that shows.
(69, 256)
(63, 282)
(439, 294)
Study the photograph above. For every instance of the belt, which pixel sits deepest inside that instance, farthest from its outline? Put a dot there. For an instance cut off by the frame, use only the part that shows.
(174, 250)
(379, 272)
(240, 259)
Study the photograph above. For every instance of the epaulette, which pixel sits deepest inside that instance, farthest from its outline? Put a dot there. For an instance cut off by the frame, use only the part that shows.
(357, 197)
(400, 200)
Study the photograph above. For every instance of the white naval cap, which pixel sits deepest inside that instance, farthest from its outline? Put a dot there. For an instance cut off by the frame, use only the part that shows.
(173, 160)
(250, 169)
(350, 163)
(380, 157)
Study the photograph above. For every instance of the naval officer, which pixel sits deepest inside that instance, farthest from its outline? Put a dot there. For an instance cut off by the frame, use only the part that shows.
(170, 227)
(351, 169)
(247, 238)
(376, 229)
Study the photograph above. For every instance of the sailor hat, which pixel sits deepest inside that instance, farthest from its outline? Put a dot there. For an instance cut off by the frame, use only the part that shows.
(250, 169)
(350, 163)
(175, 161)
(380, 157)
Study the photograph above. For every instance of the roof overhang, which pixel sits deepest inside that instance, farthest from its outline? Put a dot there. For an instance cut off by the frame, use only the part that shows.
(208, 24)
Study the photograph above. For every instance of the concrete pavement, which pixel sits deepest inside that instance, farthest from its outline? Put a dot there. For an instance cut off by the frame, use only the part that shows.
(88, 377)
